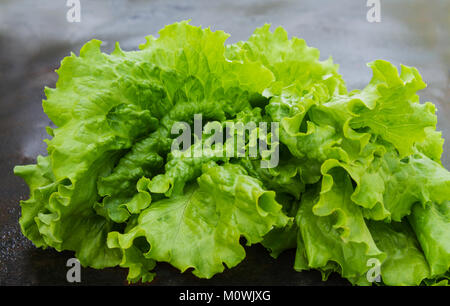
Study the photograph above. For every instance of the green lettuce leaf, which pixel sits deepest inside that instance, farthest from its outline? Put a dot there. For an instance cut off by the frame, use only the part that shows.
(337, 239)
(201, 228)
(358, 177)
(431, 225)
(405, 264)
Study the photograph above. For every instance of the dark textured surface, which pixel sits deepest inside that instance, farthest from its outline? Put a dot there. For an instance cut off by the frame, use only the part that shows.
(35, 36)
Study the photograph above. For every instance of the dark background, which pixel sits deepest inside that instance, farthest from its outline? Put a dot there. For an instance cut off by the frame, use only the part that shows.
(35, 36)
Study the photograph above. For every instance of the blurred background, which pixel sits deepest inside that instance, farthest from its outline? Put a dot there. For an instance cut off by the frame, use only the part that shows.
(35, 35)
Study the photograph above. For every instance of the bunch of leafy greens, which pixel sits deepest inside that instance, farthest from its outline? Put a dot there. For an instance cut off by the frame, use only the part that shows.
(359, 178)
